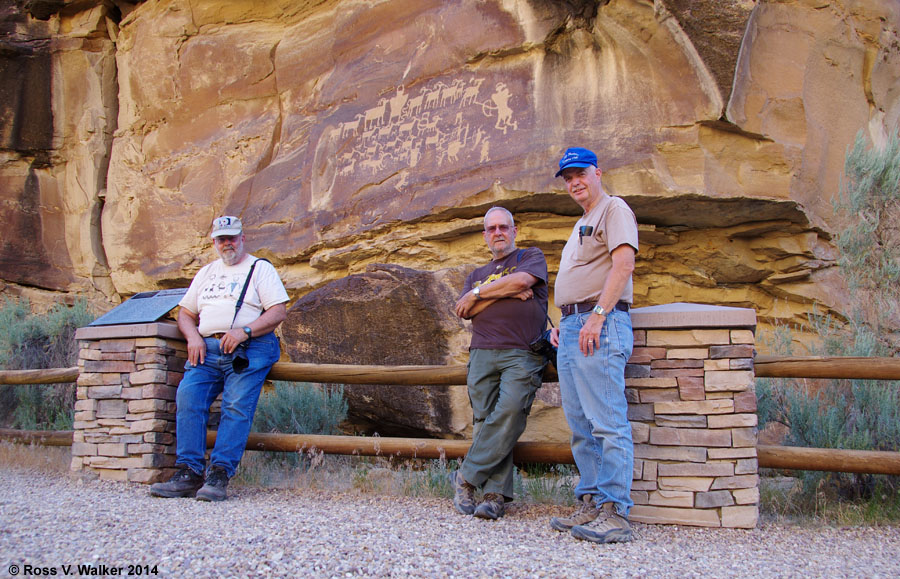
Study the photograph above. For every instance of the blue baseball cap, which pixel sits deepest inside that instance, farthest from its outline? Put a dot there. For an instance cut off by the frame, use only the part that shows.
(577, 157)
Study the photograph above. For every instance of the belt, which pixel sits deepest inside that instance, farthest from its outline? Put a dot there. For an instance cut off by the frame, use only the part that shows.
(585, 307)
(217, 335)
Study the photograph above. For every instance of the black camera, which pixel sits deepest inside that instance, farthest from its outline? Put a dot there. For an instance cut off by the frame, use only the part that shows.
(544, 347)
(239, 359)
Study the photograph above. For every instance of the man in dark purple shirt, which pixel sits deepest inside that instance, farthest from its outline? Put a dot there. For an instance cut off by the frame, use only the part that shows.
(507, 303)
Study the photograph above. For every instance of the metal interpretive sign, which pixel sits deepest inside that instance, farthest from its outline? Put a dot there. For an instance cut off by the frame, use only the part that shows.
(142, 308)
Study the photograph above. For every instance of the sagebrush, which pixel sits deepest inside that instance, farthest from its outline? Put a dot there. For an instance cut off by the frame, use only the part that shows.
(851, 414)
(33, 341)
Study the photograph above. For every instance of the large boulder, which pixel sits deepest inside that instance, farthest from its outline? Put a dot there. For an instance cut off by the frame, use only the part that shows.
(388, 315)
(393, 316)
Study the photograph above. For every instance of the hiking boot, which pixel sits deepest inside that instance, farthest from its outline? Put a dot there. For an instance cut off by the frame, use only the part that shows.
(492, 507)
(216, 483)
(184, 483)
(585, 513)
(608, 527)
(463, 494)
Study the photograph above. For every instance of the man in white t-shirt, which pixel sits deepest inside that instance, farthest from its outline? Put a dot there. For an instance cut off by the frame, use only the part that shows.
(230, 352)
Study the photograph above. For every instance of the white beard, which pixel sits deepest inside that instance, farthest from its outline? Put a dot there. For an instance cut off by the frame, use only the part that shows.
(232, 257)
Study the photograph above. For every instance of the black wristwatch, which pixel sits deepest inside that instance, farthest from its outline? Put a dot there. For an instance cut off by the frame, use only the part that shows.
(248, 331)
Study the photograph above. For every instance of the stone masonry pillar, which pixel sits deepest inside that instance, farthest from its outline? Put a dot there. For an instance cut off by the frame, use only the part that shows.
(692, 406)
(125, 408)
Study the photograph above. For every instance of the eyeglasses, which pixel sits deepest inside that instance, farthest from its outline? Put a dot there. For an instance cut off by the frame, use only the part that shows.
(497, 228)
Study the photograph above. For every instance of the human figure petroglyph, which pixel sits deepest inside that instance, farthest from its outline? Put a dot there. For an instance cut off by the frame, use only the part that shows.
(414, 155)
(479, 134)
(402, 181)
(397, 103)
(500, 99)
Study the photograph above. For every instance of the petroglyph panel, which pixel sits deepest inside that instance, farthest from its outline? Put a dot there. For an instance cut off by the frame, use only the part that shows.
(440, 125)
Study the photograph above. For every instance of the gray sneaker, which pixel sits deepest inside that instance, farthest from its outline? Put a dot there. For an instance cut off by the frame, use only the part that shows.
(463, 494)
(184, 483)
(585, 513)
(492, 507)
(608, 527)
(216, 483)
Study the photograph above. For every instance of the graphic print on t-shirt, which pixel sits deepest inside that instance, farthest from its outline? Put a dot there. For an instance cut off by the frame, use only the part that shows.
(221, 286)
(496, 276)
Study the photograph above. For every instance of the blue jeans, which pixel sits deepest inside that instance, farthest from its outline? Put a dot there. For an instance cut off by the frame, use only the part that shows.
(502, 385)
(593, 399)
(240, 393)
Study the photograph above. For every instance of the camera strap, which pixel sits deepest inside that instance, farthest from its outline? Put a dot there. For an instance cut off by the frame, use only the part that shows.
(518, 259)
(240, 301)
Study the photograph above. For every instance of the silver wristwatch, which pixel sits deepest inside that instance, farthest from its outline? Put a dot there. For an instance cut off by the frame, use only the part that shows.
(477, 293)
(598, 309)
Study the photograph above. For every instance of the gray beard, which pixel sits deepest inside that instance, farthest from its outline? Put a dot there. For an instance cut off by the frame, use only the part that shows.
(231, 258)
(502, 254)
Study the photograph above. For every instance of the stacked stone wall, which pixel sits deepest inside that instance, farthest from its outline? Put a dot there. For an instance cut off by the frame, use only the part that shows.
(692, 406)
(125, 408)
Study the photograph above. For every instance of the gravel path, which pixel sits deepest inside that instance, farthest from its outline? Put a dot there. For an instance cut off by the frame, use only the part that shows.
(51, 520)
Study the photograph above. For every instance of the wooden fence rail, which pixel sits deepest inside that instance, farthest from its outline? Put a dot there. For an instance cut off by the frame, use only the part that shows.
(827, 367)
(765, 367)
(44, 376)
(39, 437)
(857, 461)
(783, 457)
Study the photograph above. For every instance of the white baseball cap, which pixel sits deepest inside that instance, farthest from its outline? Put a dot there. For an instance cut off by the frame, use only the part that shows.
(226, 225)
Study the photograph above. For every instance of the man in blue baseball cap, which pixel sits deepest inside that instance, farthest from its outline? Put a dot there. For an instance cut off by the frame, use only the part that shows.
(594, 293)
(577, 157)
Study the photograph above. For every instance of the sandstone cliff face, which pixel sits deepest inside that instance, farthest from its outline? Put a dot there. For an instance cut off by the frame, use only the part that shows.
(348, 133)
